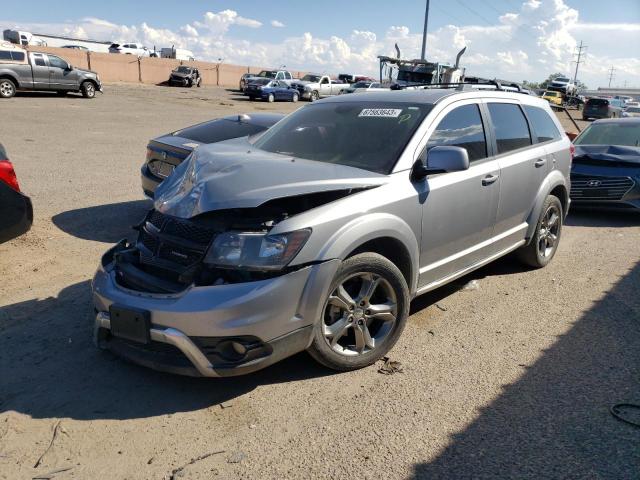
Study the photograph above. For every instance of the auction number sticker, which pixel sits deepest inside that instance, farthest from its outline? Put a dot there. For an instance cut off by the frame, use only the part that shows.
(381, 112)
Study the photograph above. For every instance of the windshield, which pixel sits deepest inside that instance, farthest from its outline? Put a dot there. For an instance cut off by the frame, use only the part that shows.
(618, 133)
(260, 81)
(267, 74)
(183, 70)
(311, 78)
(361, 84)
(367, 135)
(561, 79)
(414, 77)
(551, 94)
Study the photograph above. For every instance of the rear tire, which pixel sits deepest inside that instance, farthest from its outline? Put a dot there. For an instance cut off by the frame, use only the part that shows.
(88, 89)
(294, 98)
(7, 88)
(271, 98)
(364, 314)
(544, 244)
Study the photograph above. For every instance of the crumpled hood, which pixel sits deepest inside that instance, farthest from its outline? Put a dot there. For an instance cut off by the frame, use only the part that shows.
(608, 153)
(233, 174)
(179, 74)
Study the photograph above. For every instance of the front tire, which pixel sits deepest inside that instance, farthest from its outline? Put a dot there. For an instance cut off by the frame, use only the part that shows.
(314, 96)
(7, 88)
(294, 98)
(88, 90)
(364, 314)
(271, 98)
(544, 244)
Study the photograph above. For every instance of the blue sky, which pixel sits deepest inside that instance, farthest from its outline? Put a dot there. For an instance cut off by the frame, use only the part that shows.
(325, 17)
(505, 38)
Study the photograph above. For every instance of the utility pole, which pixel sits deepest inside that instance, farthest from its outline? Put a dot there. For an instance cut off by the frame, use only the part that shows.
(424, 34)
(578, 62)
(611, 75)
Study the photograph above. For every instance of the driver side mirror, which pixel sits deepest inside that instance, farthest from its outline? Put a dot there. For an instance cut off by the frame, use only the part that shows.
(441, 159)
(69, 67)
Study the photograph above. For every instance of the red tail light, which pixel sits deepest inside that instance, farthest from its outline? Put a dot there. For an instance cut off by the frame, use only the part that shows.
(8, 175)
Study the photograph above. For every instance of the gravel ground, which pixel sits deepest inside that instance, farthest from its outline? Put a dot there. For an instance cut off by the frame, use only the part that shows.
(510, 380)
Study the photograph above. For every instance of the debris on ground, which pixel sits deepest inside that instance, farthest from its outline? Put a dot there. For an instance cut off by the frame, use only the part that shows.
(178, 472)
(390, 367)
(51, 474)
(237, 457)
(471, 285)
(441, 307)
(224, 405)
(53, 438)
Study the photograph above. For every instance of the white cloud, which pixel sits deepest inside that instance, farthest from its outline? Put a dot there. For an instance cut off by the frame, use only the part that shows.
(277, 24)
(535, 40)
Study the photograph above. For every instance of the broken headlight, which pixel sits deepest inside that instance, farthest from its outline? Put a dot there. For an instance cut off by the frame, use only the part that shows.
(254, 250)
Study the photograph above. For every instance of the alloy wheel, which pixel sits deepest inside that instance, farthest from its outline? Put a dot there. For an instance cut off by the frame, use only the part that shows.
(548, 232)
(360, 314)
(7, 89)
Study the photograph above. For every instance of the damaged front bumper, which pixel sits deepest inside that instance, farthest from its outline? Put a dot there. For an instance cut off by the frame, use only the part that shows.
(217, 330)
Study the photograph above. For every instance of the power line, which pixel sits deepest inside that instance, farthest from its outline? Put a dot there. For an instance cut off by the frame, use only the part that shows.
(578, 61)
(481, 17)
(611, 76)
(492, 7)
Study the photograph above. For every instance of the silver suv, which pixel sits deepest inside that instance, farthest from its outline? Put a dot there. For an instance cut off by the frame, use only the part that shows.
(317, 234)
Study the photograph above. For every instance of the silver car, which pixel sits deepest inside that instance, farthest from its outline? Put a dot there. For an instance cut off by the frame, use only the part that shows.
(317, 234)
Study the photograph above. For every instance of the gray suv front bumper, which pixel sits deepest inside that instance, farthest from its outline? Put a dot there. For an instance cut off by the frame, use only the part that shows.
(192, 332)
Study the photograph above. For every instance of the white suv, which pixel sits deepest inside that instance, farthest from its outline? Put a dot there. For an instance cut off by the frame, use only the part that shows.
(129, 49)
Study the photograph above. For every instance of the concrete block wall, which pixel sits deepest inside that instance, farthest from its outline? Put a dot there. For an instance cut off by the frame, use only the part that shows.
(128, 68)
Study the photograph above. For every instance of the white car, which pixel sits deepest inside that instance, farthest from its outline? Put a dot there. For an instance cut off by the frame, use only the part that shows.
(136, 49)
(365, 87)
(631, 112)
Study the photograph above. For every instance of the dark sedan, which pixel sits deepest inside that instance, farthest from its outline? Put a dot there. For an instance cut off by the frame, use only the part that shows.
(271, 90)
(16, 212)
(602, 108)
(167, 152)
(606, 165)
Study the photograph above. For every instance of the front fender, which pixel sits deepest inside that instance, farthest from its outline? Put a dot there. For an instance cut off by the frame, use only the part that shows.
(370, 227)
(553, 180)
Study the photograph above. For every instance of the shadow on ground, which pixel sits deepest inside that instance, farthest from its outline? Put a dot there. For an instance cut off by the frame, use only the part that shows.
(49, 368)
(103, 223)
(554, 422)
(581, 217)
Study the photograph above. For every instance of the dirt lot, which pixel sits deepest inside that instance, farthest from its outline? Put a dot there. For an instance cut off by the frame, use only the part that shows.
(511, 380)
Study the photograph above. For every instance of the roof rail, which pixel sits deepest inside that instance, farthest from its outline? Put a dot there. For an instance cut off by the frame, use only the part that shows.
(471, 82)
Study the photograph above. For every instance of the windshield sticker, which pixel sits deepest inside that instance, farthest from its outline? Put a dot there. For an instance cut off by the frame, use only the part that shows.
(404, 118)
(381, 112)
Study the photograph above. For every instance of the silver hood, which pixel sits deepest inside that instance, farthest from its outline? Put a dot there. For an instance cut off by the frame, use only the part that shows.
(233, 174)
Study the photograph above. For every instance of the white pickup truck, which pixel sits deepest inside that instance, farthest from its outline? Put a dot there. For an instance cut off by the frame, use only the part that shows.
(314, 87)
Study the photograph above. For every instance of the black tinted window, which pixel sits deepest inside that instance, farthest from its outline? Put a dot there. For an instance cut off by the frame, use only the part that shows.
(597, 101)
(462, 127)
(4, 55)
(18, 56)
(510, 125)
(543, 126)
(219, 130)
(57, 62)
(39, 60)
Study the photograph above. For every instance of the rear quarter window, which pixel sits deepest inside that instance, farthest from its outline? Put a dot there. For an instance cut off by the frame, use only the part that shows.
(543, 125)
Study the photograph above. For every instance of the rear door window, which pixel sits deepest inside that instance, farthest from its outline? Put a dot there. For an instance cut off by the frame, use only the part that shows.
(510, 127)
(543, 126)
(462, 127)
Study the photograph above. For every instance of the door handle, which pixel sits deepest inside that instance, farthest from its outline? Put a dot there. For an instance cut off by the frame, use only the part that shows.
(541, 162)
(489, 179)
